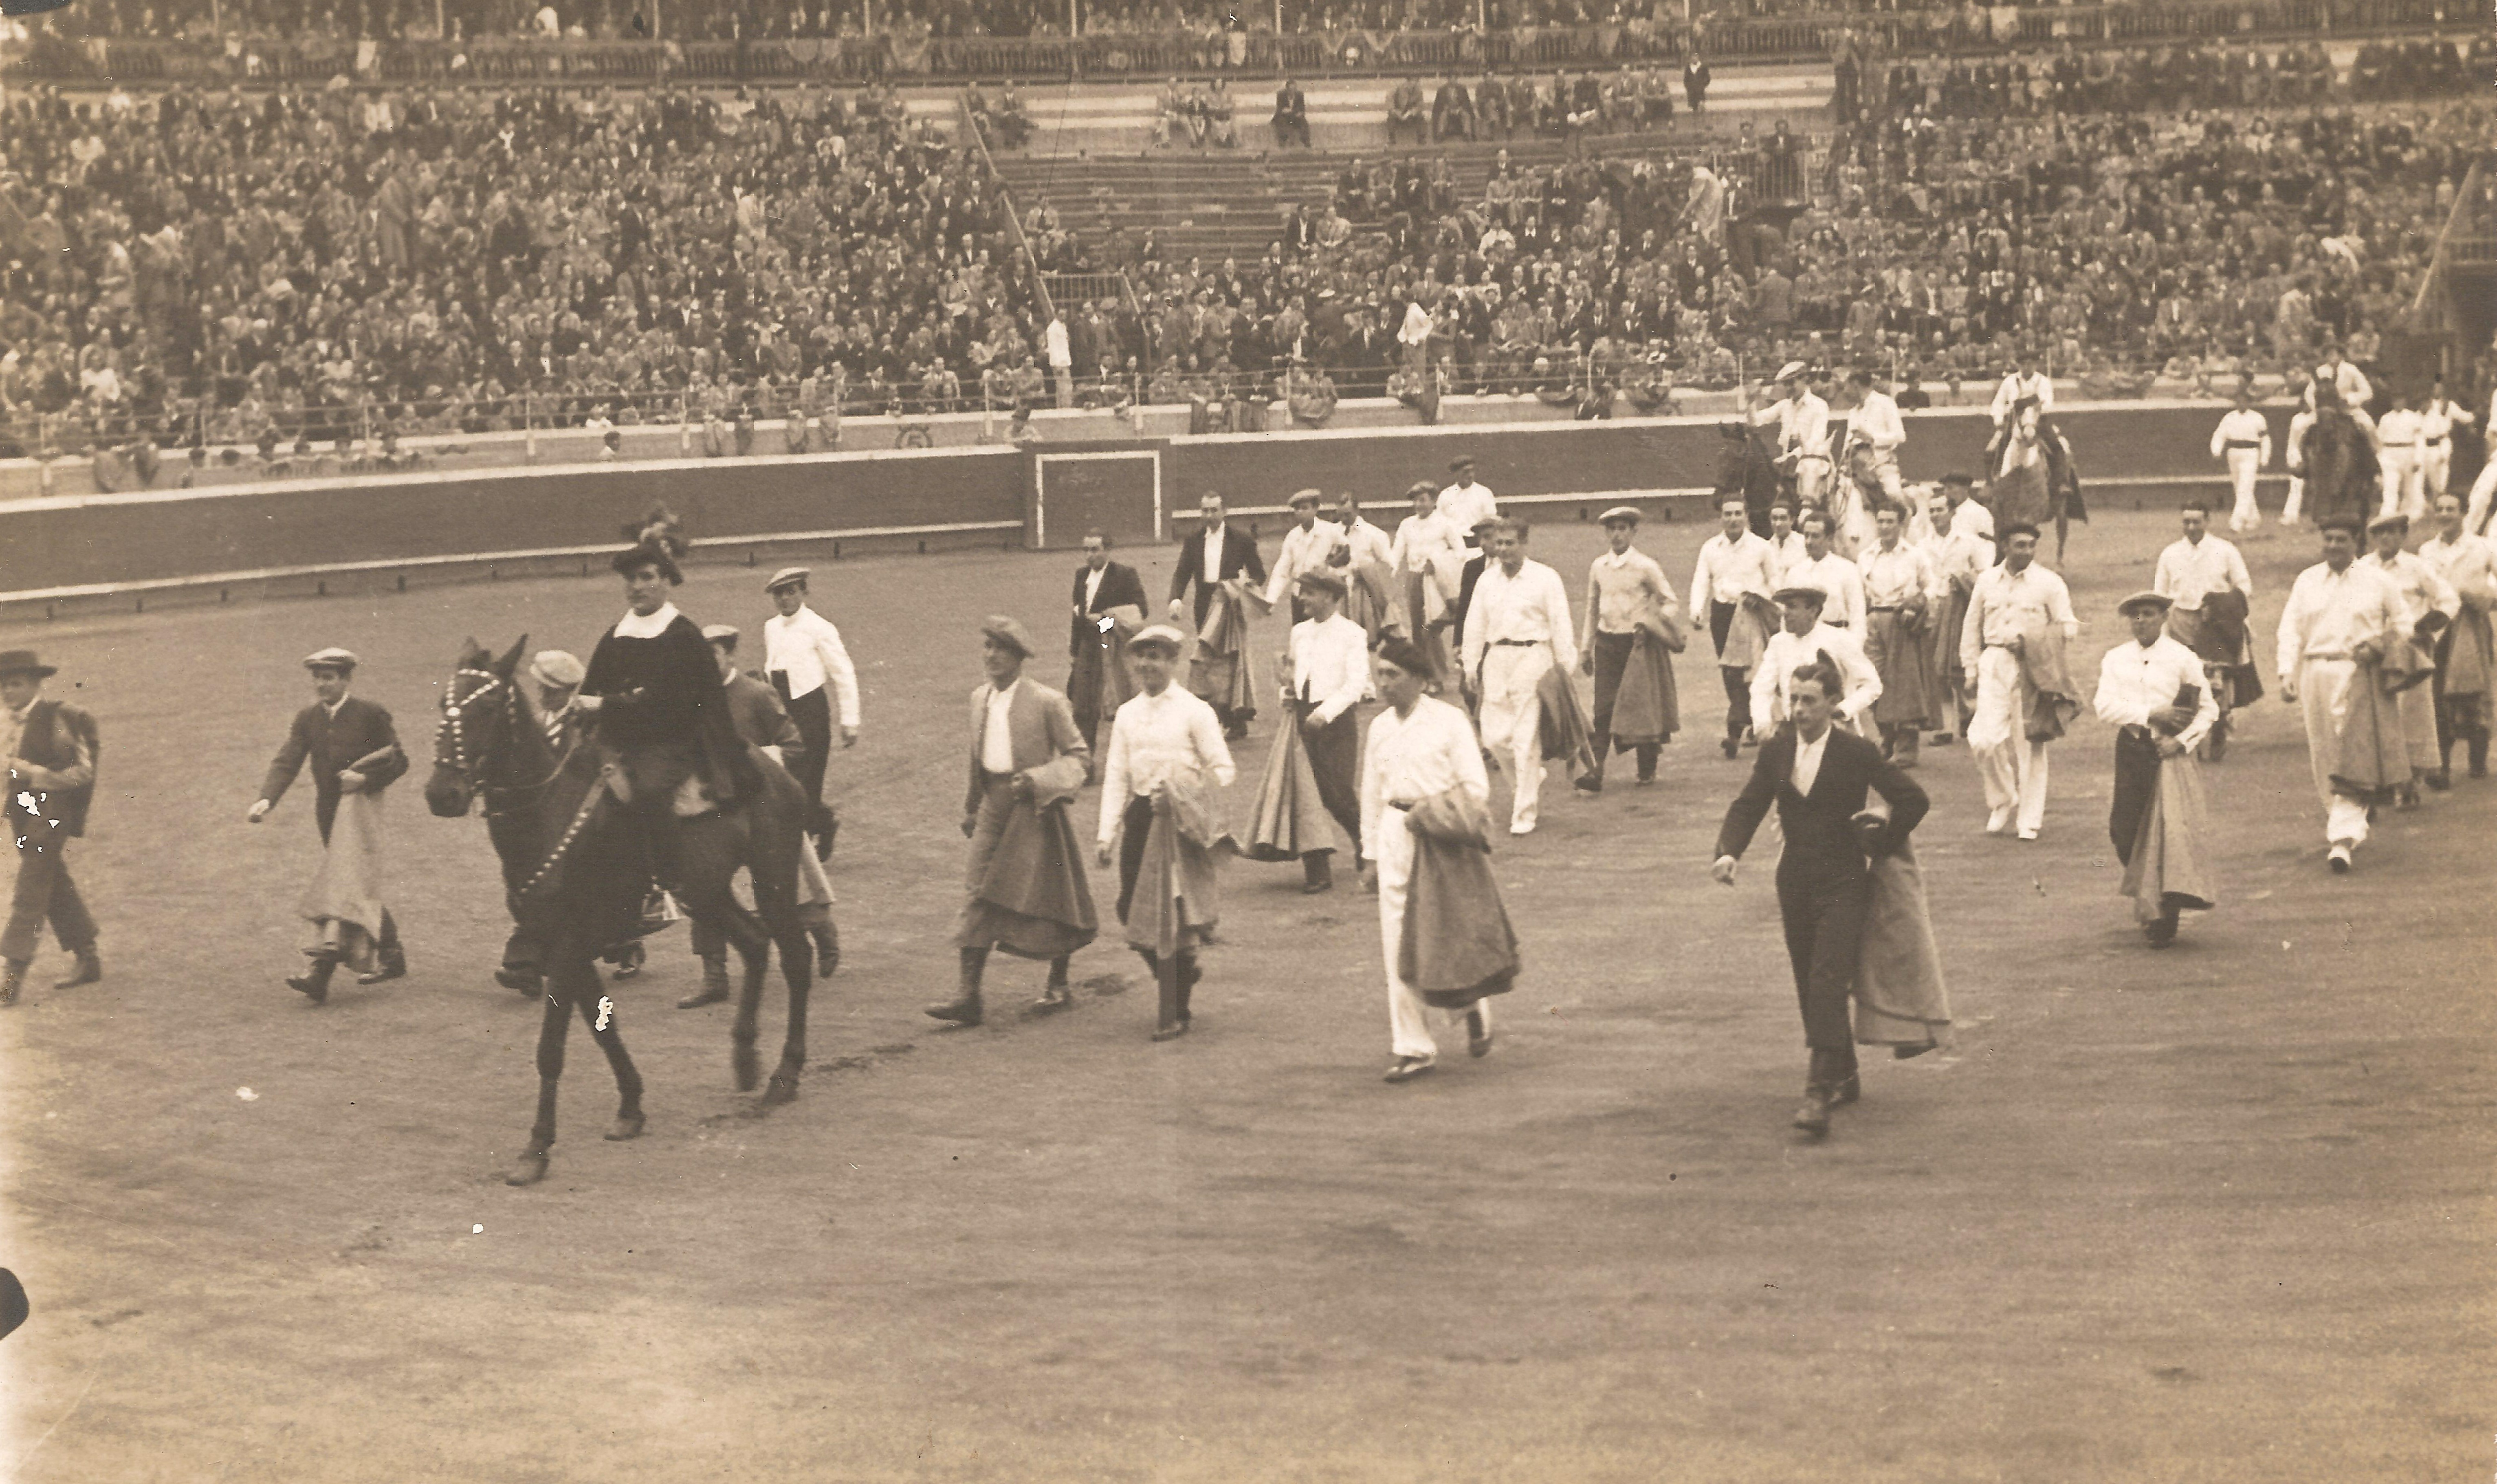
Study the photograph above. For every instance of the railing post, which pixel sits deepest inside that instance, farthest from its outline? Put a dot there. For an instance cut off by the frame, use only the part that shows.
(684, 426)
(529, 419)
(44, 452)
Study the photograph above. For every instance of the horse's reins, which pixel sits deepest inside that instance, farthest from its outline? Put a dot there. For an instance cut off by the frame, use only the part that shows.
(458, 762)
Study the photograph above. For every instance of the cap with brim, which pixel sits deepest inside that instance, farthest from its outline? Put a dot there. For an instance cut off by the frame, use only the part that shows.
(720, 633)
(1813, 595)
(1788, 371)
(1322, 582)
(1421, 486)
(1626, 513)
(2146, 599)
(787, 577)
(2391, 518)
(24, 662)
(330, 658)
(2346, 524)
(1162, 634)
(1486, 522)
(1461, 461)
(1010, 633)
(556, 667)
(1301, 497)
(1961, 480)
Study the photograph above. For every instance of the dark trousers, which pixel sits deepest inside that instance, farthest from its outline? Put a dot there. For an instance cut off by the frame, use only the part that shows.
(1738, 682)
(1335, 756)
(44, 892)
(813, 714)
(1824, 924)
(1612, 657)
(1134, 826)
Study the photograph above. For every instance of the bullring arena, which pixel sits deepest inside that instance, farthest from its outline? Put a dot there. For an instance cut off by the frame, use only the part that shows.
(2221, 1212)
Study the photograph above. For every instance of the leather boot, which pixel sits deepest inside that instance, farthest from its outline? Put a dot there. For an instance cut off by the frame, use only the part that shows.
(90, 969)
(964, 1008)
(1844, 1088)
(313, 982)
(13, 980)
(1058, 993)
(1317, 872)
(394, 966)
(714, 983)
(1812, 1118)
(2479, 746)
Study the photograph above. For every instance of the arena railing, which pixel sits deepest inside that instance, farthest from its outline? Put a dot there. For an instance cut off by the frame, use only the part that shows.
(1343, 52)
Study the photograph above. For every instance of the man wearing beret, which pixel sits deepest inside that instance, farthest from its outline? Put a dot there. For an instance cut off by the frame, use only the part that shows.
(52, 777)
(2155, 693)
(354, 751)
(1465, 504)
(803, 655)
(1025, 889)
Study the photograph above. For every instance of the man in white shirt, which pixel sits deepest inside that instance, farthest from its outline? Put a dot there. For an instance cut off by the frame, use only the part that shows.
(1429, 559)
(2157, 782)
(2019, 382)
(802, 653)
(2242, 443)
(2398, 461)
(1418, 748)
(2017, 606)
(1465, 504)
(1959, 558)
(1802, 421)
(1517, 630)
(1823, 568)
(2349, 380)
(2466, 652)
(1785, 543)
(1161, 735)
(1874, 424)
(1968, 514)
(1903, 596)
(1625, 591)
(2426, 606)
(1328, 660)
(2439, 416)
(2334, 607)
(2193, 567)
(1734, 585)
(1801, 639)
(1307, 547)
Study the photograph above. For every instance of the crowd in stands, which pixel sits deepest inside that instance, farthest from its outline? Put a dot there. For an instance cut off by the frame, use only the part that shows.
(290, 268)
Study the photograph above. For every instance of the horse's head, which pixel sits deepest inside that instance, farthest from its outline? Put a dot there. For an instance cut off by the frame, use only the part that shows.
(481, 709)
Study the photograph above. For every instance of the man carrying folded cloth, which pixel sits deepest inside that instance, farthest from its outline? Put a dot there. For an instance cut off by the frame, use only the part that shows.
(2154, 691)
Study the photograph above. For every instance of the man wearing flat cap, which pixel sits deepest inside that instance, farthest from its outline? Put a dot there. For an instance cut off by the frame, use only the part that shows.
(1803, 638)
(2341, 620)
(355, 754)
(1632, 620)
(52, 748)
(1165, 754)
(1465, 504)
(803, 655)
(2154, 692)
(1310, 545)
(1025, 890)
(2428, 605)
(2019, 620)
(1328, 665)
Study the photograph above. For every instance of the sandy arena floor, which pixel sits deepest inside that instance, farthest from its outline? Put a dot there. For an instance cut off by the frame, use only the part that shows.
(2217, 1213)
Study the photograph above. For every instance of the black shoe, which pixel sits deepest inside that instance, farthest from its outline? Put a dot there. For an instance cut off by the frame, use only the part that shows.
(1172, 1031)
(964, 1012)
(526, 980)
(314, 985)
(1590, 784)
(1848, 1090)
(1406, 1068)
(2440, 780)
(90, 969)
(1057, 996)
(394, 966)
(2159, 933)
(630, 958)
(1731, 746)
(825, 836)
(1478, 1034)
(1812, 1118)
(714, 985)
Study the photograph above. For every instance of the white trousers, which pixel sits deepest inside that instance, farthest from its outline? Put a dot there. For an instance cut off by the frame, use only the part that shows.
(1511, 721)
(2324, 698)
(2435, 467)
(2012, 766)
(2296, 500)
(2244, 464)
(2400, 471)
(1408, 1017)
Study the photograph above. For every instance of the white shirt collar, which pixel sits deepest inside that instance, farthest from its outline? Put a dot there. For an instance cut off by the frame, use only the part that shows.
(634, 626)
(1609, 559)
(332, 707)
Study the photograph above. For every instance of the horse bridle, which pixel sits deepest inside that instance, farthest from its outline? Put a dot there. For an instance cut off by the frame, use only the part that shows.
(453, 713)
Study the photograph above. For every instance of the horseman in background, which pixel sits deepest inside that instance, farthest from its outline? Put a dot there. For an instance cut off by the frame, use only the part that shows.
(2033, 475)
(1802, 421)
(1874, 433)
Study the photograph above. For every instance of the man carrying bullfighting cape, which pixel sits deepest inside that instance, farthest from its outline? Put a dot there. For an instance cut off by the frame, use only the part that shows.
(2155, 693)
(1632, 634)
(1108, 605)
(1165, 756)
(1224, 566)
(1314, 769)
(1025, 889)
(1426, 810)
(1902, 594)
(355, 754)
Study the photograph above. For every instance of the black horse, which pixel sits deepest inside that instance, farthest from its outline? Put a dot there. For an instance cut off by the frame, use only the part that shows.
(1747, 466)
(575, 873)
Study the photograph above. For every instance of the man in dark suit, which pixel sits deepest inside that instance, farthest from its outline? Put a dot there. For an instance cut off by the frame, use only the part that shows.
(1819, 776)
(1291, 115)
(50, 753)
(1214, 554)
(1092, 644)
(352, 749)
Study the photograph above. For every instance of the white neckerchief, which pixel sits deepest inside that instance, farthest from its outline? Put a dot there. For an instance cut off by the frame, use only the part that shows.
(634, 626)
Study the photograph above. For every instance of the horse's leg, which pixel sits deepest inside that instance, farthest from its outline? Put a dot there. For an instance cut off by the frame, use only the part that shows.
(797, 967)
(601, 1018)
(531, 1166)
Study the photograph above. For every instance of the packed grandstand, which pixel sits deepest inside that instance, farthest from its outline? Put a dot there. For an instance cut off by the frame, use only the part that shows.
(249, 269)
